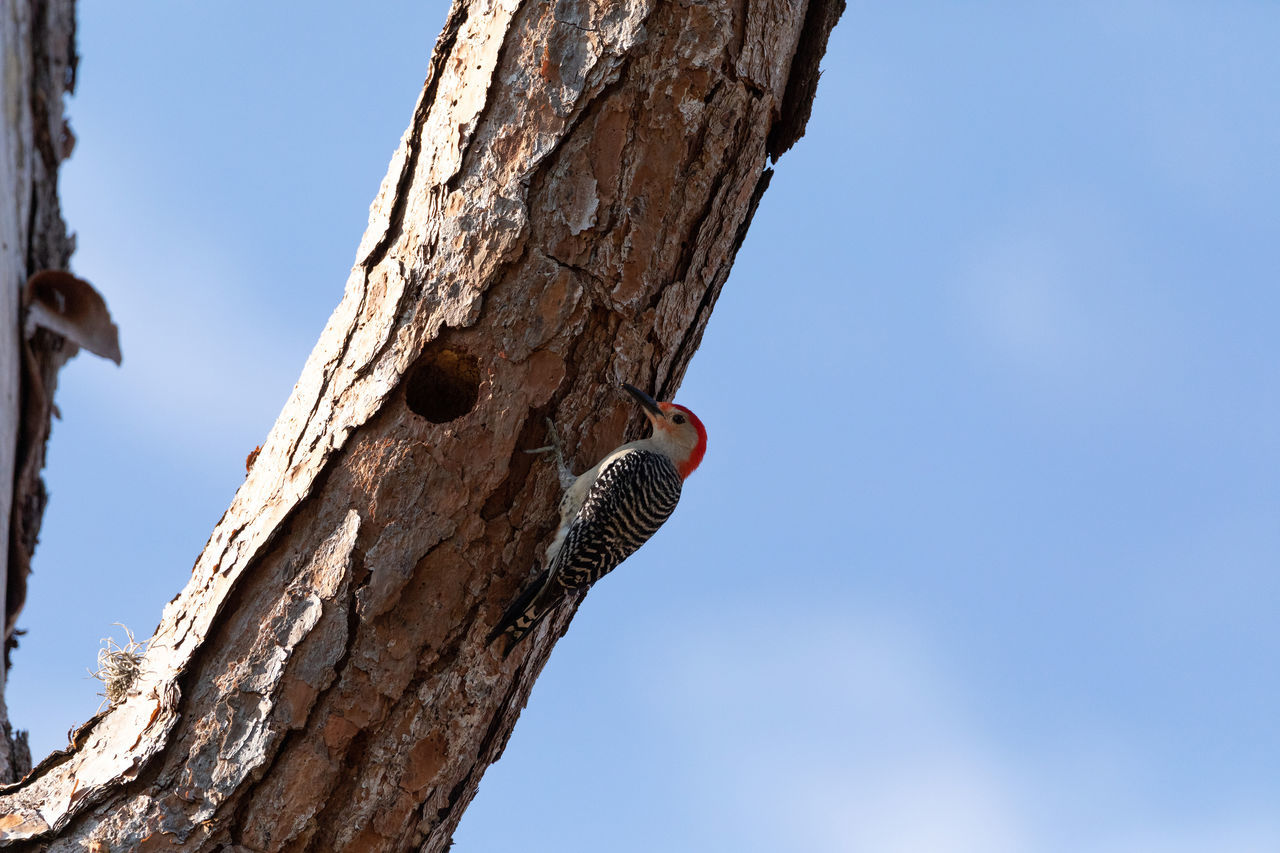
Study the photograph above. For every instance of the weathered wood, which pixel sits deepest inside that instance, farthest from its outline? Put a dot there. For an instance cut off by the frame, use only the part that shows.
(14, 173)
(560, 216)
(37, 60)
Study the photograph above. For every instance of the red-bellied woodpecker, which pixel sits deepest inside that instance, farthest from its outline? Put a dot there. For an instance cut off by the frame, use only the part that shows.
(610, 511)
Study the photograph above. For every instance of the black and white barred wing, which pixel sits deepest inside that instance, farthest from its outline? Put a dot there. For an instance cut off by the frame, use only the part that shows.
(629, 501)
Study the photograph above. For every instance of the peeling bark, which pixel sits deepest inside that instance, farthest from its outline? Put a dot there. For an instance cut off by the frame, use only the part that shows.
(560, 216)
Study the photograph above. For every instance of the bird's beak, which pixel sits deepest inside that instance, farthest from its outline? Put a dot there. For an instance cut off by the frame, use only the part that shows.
(649, 404)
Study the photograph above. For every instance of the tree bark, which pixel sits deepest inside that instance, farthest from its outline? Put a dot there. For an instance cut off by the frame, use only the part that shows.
(37, 55)
(559, 217)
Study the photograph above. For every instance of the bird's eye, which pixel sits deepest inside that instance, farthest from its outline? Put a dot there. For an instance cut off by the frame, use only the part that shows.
(678, 419)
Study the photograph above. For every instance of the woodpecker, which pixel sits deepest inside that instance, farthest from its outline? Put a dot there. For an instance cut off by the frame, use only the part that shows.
(611, 510)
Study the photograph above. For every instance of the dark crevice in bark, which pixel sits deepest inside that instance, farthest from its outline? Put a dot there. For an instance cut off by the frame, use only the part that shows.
(326, 377)
(614, 82)
(358, 579)
(733, 48)
(501, 499)
(802, 80)
(341, 795)
(443, 50)
(753, 87)
(502, 724)
(33, 208)
(599, 318)
(410, 296)
(49, 246)
(43, 87)
(598, 284)
(699, 140)
(478, 123)
(535, 178)
(690, 247)
(446, 814)
(756, 195)
(331, 817)
(693, 336)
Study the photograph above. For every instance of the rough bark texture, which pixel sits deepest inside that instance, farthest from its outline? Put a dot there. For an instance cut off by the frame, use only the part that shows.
(37, 52)
(560, 216)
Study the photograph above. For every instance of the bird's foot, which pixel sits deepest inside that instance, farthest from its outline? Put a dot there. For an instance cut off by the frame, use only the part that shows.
(567, 476)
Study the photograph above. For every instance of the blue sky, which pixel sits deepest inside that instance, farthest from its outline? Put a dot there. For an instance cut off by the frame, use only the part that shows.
(985, 553)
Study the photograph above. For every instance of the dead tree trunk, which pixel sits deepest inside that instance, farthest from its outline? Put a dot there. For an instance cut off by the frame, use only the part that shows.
(37, 62)
(560, 216)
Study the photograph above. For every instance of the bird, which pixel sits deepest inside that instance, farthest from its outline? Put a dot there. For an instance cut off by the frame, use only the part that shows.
(610, 511)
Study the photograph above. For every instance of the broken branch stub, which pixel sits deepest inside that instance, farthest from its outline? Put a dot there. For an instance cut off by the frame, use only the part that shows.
(60, 302)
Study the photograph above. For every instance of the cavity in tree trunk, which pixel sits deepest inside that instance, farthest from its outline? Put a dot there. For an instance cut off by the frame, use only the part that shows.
(560, 217)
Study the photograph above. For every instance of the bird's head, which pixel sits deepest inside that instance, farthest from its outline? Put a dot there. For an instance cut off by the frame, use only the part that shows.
(676, 430)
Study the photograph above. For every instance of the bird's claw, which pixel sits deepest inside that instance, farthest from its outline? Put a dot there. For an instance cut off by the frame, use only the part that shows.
(566, 473)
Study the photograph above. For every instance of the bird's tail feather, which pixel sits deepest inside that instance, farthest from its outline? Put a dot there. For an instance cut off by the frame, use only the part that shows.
(525, 612)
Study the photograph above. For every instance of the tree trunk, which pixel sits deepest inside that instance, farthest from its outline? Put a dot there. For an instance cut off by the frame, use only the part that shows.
(37, 58)
(560, 216)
